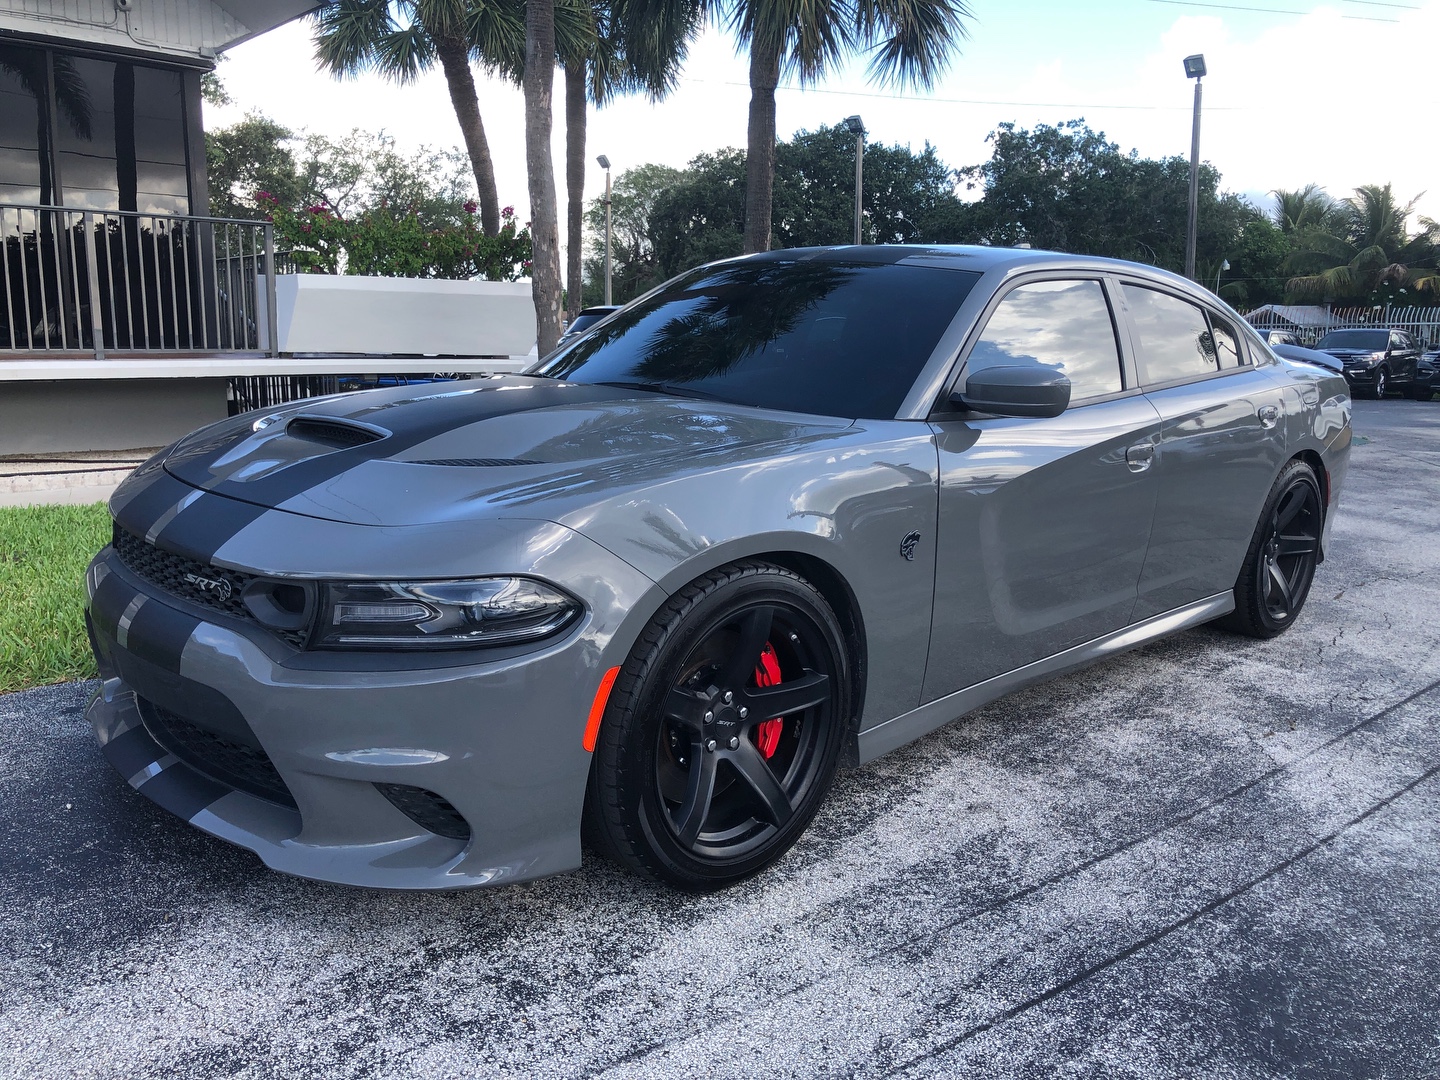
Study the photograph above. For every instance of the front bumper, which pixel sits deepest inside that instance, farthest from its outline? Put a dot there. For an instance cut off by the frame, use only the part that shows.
(495, 742)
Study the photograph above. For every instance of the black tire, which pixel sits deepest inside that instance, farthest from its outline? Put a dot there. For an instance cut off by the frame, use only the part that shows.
(1382, 381)
(682, 788)
(1280, 564)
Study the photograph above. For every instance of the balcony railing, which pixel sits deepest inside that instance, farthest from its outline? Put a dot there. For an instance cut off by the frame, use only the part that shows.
(97, 282)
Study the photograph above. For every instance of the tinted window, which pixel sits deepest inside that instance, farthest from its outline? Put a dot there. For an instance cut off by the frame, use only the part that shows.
(1061, 324)
(22, 101)
(1354, 339)
(819, 336)
(1174, 340)
(1226, 349)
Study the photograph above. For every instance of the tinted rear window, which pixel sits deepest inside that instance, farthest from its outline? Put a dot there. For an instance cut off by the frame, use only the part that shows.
(1355, 339)
(835, 338)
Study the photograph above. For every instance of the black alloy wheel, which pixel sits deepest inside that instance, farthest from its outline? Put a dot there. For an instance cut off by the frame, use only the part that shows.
(723, 730)
(1284, 552)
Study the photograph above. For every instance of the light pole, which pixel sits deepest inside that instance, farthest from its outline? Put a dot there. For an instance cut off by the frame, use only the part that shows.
(1224, 265)
(604, 163)
(1194, 69)
(857, 128)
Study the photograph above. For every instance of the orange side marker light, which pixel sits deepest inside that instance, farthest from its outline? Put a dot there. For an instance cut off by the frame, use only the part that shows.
(597, 709)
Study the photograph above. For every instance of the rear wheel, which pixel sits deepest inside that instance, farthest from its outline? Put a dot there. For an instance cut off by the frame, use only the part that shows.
(723, 729)
(1280, 564)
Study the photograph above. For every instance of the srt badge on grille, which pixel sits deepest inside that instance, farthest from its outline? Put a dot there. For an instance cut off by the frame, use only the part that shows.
(219, 588)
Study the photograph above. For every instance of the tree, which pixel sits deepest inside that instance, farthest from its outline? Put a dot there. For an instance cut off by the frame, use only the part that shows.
(1363, 252)
(667, 221)
(910, 42)
(247, 157)
(1068, 188)
(1304, 208)
(600, 62)
(539, 86)
(401, 38)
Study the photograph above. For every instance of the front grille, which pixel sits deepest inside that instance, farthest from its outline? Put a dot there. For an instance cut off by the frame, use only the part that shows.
(428, 810)
(209, 586)
(190, 580)
(246, 768)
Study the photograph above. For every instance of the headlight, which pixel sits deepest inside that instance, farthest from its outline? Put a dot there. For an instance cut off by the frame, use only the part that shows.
(440, 614)
(1373, 358)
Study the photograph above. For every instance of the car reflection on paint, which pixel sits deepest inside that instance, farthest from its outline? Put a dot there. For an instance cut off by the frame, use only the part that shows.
(788, 511)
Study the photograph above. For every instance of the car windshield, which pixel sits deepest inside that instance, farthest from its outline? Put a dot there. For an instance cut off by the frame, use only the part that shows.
(583, 320)
(1355, 339)
(809, 335)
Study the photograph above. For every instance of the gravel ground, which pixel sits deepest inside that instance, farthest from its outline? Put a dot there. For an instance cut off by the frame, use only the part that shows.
(1211, 857)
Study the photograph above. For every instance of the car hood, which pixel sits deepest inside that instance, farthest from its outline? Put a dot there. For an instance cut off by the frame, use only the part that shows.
(512, 445)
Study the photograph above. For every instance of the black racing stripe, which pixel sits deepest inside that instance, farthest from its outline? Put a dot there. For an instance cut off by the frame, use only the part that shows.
(158, 496)
(111, 599)
(159, 633)
(131, 752)
(207, 524)
(182, 790)
(410, 421)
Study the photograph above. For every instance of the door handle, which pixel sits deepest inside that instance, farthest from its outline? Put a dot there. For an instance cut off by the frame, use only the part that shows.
(1269, 415)
(1140, 456)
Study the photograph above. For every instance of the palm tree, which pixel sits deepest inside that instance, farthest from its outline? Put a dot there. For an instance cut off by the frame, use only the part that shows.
(401, 38)
(1304, 208)
(910, 42)
(1363, 246)
(600, 65)
(539, 85)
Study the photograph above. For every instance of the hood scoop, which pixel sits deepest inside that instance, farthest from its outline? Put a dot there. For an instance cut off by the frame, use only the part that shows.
(331, 432)
(477, 462)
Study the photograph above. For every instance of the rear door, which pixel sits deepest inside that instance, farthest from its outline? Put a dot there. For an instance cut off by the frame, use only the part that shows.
(1221, 445)
(1043, 522)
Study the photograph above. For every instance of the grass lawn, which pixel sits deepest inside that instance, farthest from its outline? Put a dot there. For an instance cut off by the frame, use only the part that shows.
(43, 554)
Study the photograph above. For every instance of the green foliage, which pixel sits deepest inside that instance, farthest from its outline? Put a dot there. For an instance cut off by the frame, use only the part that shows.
(249, 156)
(397, 242)
(43, 554)
(1361, 251)
(666, 220)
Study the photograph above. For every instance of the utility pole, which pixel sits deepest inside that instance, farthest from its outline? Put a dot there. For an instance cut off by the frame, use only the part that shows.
(604, 163)
(857, 127)
(1194, 69)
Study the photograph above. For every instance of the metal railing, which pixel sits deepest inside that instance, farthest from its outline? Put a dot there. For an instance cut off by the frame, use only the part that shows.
(105, 281)
(1421, 320)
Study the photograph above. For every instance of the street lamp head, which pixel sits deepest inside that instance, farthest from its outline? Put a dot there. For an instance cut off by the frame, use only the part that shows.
(855, 124)
(603, 161)
(1224, 264)
(1195, 66)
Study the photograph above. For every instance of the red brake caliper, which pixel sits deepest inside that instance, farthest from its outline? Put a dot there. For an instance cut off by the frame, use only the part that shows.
(767, 673)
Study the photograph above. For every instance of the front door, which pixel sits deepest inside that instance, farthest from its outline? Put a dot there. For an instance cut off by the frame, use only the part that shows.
(1043, 522)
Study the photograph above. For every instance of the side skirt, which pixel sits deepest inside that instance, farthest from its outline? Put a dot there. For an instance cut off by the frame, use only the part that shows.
(908, 727)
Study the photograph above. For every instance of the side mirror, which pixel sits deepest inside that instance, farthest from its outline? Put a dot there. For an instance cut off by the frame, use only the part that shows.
(1031, 390)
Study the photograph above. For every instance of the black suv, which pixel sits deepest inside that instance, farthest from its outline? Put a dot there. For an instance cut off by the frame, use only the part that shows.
(1376, 360)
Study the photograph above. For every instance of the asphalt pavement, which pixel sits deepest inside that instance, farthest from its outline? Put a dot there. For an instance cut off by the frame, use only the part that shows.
(1212, 857)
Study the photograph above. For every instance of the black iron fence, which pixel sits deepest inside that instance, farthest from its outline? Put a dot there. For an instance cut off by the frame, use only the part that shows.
(96, 281)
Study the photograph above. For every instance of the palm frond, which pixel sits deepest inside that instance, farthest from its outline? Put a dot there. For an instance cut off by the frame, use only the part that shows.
(346, 32)
(917, 38)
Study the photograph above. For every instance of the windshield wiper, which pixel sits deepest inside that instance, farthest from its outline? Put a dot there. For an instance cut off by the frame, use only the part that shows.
(667, 388)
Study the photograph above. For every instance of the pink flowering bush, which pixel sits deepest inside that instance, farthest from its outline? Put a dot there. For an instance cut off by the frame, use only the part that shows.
(385, 242)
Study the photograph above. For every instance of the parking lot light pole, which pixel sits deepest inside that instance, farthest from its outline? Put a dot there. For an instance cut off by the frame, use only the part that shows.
(1194, 69)
(604, 163)
(857, 128)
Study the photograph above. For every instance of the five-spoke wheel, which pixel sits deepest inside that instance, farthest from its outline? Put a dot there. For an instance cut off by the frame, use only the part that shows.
(1284, 551)
(724, 728)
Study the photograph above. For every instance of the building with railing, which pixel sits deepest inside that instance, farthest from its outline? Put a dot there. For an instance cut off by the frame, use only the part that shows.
(123, 308)
(127, 316)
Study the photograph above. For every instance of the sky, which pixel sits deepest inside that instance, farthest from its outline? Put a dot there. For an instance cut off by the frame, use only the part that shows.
(1336, 93)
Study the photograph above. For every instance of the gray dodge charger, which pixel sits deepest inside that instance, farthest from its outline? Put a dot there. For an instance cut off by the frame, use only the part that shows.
(785, 511)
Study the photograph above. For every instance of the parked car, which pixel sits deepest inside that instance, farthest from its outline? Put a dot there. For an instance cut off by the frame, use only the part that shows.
(1376, 361)
(791, 509)
(1278, 337)
(587, 318)
(1427, 376)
